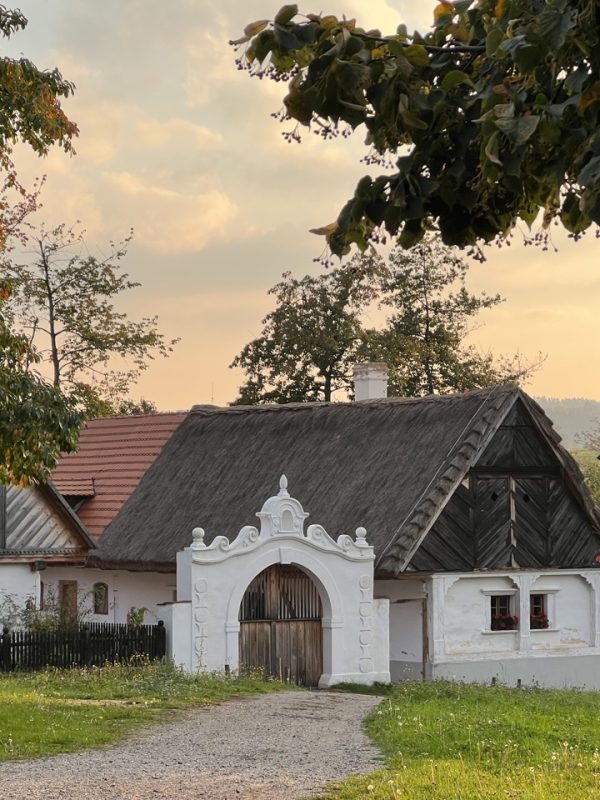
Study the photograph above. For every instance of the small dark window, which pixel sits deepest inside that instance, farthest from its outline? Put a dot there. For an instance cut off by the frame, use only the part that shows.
(538, 612)
(501, 616)
(100, 598)
(526, 498)
(494, 496)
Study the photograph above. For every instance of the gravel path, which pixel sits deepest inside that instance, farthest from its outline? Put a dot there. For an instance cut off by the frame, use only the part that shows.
(276, 746)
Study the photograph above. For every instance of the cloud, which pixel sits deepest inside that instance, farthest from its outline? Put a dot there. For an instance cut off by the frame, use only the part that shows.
(171, 221)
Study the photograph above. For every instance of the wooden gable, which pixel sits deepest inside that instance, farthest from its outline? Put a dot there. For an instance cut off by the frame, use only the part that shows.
(34, 523)
(514, 509)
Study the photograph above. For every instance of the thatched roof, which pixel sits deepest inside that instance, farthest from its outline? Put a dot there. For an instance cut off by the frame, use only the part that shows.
(389, 465)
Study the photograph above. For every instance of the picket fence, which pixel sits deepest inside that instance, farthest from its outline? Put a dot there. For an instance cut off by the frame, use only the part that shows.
(91, 644)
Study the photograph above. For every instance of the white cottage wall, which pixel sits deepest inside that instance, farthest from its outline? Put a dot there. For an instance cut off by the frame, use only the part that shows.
(18, 584)
(407, 598)
(126, 590)
(567, 654)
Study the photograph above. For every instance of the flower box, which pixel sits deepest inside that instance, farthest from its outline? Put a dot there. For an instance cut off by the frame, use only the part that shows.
(538, 622)
(505, 622)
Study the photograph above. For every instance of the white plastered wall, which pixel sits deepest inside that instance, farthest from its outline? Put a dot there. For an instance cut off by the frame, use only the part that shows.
(565, 654)
(212, 581)
(125, 590)
(407, 598)
(18, 584)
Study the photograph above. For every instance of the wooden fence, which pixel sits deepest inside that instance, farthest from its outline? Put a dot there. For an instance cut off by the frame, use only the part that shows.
(87, 645)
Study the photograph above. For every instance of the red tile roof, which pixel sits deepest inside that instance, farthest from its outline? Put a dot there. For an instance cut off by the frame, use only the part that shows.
(114, 453)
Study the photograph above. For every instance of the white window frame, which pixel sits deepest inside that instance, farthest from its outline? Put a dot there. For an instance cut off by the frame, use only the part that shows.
(514, 601)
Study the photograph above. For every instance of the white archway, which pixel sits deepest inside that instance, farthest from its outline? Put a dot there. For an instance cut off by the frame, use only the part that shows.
(355, 627)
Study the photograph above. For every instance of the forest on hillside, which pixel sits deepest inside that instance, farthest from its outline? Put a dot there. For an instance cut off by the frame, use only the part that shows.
(573, 418)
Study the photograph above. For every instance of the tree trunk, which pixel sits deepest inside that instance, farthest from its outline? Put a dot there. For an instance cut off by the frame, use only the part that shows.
(54, 357)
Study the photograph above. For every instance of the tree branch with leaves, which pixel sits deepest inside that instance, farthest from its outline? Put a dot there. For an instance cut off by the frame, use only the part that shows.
(489, 118)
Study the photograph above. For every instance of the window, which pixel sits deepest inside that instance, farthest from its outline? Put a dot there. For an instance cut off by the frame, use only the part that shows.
(100, 598)
(538, 612)
(501, 613)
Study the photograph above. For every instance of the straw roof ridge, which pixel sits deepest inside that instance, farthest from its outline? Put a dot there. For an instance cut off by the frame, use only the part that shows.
(389, 465)
(358, 405)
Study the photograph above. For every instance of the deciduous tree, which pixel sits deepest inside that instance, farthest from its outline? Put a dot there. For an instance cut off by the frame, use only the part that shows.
(319, 330)
(490, 117)
(36, 421)
(63, 299)
(311, 339)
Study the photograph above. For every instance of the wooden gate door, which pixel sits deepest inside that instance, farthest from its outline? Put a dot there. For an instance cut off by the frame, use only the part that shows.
(280, 626)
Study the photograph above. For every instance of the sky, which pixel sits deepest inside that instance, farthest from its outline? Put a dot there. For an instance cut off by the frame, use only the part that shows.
(179, 145)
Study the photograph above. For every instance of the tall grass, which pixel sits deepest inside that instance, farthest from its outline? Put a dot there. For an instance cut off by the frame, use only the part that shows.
(58, 711)
(446, 741)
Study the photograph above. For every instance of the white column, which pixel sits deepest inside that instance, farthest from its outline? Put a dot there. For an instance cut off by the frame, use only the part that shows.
(525, 582)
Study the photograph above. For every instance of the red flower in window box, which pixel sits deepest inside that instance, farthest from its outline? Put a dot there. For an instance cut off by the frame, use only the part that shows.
(538, 622)
(504, 622)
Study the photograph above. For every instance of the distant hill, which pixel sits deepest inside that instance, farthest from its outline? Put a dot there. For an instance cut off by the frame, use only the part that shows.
(572, 417)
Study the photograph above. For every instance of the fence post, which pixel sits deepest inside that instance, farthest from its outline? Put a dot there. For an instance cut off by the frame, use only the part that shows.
(160, 650)
(5, 651)
(84, 646)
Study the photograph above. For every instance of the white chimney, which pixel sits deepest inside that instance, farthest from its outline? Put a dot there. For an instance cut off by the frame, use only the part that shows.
(370, 380)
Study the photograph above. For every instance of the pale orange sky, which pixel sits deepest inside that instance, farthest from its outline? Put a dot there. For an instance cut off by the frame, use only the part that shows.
(179, 145)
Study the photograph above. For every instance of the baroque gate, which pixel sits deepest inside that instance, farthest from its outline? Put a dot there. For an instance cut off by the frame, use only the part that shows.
(295, 602)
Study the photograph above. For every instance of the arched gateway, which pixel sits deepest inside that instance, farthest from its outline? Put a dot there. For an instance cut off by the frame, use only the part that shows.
(298, 604)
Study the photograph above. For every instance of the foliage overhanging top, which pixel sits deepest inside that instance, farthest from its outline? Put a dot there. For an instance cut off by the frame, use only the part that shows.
(491, 116)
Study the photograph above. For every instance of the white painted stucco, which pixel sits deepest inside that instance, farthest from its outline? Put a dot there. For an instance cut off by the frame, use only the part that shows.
(126, 590)
(212, 581)
(18, 584)
(407, 597)
(463, 647)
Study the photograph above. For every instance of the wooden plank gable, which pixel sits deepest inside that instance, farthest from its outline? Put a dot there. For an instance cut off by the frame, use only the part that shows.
(33, 524)
(515, 509)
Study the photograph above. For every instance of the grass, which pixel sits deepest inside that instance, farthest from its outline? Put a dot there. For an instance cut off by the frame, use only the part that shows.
(447, 741)
(60, 711)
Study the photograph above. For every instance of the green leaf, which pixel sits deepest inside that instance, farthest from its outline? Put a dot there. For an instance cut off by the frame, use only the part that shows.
(454, 78)
(528, 57)
(553, 25)
(518, 129)
(412, 233)
(590, 174)
(255, 28)
(492, 148)
(493, 41)
(286, 14)
(417, 55)
(571, 215)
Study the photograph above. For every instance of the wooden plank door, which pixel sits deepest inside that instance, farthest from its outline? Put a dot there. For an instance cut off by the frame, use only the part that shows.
(280, 626)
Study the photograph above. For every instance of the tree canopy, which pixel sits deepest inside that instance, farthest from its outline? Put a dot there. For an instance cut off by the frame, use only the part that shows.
(311, 339)
(36, 421)
(321, 326)
(63, 299)
(490, 117)
(30, 109)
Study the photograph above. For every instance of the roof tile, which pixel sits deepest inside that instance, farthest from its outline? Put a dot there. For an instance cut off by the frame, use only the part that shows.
(114, 453)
